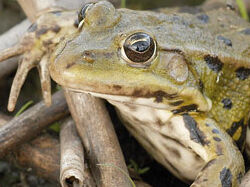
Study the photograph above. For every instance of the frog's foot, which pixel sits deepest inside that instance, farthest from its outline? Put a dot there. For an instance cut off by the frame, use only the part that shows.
(224, 162)
(32, 57)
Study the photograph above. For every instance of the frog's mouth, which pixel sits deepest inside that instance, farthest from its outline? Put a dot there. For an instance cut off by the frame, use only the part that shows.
(176, 105)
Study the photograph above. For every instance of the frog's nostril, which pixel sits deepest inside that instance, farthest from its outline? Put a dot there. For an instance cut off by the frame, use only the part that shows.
(88, 56)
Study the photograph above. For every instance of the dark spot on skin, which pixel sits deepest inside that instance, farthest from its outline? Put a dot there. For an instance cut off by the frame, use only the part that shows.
(57, 13)
(176, 103)
(241, 141)
(217, 139)
(246, 31)
(195, 133)
(187, 108)
(76, 23)
(203, 18)
(226, 177)
(219, 150)
(41, 31)
(158, 95)
(137, 93)
(227, 103)
(32, 27)
(242, 73)
(213, 63)
(234, 127)
(70, 65)
(56, 28)
(215, 131)
(226, 41)
(117, 87)
(239, 177)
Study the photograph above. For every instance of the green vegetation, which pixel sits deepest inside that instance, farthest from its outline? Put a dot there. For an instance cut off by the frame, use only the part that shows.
(123, 3)
(243, 10)
(136, 168)
(24, 107)
(55, 127)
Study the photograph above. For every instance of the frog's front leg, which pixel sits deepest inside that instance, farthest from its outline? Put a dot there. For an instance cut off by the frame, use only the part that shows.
(32, 57)
(224, 162)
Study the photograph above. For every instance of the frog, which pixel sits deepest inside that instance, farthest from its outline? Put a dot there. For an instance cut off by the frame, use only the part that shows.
(179, 80)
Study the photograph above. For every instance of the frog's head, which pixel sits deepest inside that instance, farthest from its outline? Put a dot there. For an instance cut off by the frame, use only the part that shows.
(119, 55)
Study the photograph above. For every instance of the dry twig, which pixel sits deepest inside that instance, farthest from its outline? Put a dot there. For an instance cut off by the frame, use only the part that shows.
(72, 157)
(95, 127)
(31, 122)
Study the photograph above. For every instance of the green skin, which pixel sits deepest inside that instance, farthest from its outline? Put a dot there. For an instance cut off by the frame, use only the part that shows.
(91, 59)
(210, 74)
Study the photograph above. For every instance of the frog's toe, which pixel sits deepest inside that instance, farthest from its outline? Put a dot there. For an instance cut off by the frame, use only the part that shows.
(11, 52)
(29, 61)
(45, 79)
(18, 81)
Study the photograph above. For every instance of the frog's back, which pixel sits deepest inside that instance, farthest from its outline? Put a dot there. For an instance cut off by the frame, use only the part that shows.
(220, 33)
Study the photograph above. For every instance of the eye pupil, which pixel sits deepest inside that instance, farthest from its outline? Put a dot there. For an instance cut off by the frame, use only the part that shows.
(139, 48)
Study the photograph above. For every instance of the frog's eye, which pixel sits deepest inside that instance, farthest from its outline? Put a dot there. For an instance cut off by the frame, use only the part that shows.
(139, 50)
(82, 13)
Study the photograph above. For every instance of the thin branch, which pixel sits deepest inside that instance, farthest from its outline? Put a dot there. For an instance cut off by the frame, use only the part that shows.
(72, 157)
(31, 122)
(96, 130)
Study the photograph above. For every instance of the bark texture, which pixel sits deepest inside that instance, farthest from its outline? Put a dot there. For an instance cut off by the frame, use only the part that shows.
(26, 126)
(95, 128)
(72, 157)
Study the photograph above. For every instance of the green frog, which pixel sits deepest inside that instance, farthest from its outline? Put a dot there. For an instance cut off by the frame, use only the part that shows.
(179, 81)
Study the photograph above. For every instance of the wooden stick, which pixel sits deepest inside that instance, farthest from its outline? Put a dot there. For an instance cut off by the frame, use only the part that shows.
(245, 180)
(72, 156)
(104, 152)
(42, 155)
(31, 122)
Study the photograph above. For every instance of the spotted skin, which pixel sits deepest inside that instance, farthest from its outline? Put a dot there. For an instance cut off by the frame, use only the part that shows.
(186, 125)
(212, 147)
